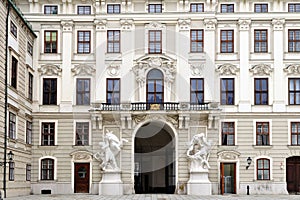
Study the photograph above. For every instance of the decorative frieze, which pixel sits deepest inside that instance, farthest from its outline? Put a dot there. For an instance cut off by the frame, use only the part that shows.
(227, 69)
(210, 24)
(50, 70)
(292, 69)
(228, 155)
(244, 24)
(81, 156)
(278, 24)
(184, 24)
(261, 69)
(173, 119)
(100, 24)
(83, 70)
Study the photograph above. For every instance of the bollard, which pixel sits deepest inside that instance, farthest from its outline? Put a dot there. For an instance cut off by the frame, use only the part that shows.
(248, 189)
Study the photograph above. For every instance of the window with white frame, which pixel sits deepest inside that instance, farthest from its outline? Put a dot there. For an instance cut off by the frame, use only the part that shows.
(295, 133)
(263, 169)
(83, 10)
(47, 169)
(28, 172)
(262, 133)
(50, 9)
(28, 132)
(12, 129)
(82, 133)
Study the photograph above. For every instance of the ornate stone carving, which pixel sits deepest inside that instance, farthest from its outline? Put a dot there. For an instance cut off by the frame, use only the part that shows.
(155, 25)
(67, 25)
(50, 70)
(261, 69)
(113, 70)
(173, 119)
(197, 68)
(184, 24)
(228, 155)
(244, 24)
(278, 24)
(85, 70)
(126, 24)
(100, 24)
(292, 69)
(210, 24)
(227, 69)
(81, 155)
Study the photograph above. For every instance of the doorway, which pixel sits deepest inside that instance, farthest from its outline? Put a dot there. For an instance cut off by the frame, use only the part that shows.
(82, 178)
(293, 174)
(154, 159)
(228, 178)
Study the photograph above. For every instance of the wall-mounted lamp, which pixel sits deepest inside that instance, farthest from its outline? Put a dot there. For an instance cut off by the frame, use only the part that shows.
(249, 160)
(10, 157)
(281, 165)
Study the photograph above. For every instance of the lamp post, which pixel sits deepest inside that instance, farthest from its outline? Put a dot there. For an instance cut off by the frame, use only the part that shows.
(10, 157)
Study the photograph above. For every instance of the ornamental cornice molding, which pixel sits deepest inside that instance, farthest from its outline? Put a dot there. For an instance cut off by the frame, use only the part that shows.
(261, 69)
(228, 69)
(113, 70)
(100, 24)
(126, 24)
(278, 24)
(184, 24)
(210, 24)
(292, 69)
(228, 155)
(83, 70)
(50, 70)
(244, 24)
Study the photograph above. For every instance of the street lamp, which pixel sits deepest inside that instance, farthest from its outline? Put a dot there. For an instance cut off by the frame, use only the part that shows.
(249, 160)
(10, 157)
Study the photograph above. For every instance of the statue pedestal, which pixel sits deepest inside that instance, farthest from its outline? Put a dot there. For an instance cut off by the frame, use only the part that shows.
(199, 183)
(111, 183)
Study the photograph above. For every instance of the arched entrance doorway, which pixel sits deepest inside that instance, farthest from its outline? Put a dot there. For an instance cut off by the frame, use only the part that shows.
(154, 159)
(293, 174)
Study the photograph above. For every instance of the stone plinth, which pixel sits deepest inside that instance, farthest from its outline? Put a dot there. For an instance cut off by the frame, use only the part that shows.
(199, 183)
(111, 183)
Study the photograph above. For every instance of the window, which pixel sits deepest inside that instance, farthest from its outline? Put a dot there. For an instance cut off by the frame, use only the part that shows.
(113, 41)
(28, 172)
(29, 48)
(155, 41)
(14, 72)
(12, 125)
(228, 133)
(295, 133)
(196, 41)
(84, 10)
(263, 169)
(47, 169)
(294, 91)
(261, 91)
(260, 8)
(30, 86)
(113, 8)
(82, 133)
(50, 9)
(84, 41)
(262, 133)
(294, 7)
(227, 41)
(227, 8)
(294, 40)
(197, 7)
(154, 8)
(48, 133)
(83, 92)
(197, 91)
(227, 91)
(113, 91)
(28, 132)
(11, 176)
(155, 87)
(50, 91)
(50, 42)
(13, 29)
(260, 41)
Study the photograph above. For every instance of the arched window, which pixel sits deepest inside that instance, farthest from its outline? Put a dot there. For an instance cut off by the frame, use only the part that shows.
(47, 169)
(263, 169)
(155, 86)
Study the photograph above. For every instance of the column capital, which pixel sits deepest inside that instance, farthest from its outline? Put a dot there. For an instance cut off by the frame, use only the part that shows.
(184, 24)
(244, 24)
(278, 24)
(67, 25)
(210, 24)
(126, 24)
(100, 24)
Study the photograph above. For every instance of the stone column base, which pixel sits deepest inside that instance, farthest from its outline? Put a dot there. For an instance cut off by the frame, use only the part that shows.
(111, 183)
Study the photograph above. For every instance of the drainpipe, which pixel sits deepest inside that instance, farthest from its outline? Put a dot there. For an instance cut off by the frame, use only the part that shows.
(5, 104)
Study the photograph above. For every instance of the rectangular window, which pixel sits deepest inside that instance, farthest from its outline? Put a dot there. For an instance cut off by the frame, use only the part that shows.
(12, 125)
(294, 91)
(155, 8)
(14, 72)
(113, 41)
(82, 133)
(197, 7)
(113, 8)
(197, 91)
(30, 86)
(50, 42)
(196, 41)
(260, 8)
(227, 91)
(83, 10)
(155, 41)
(294, 7)
(261, 91)
(260, 41)
(294, 40)
(47, 169)
(29, 48)
(83, 41)
(28, 132)
(13, 29)
(113, 91)
(28, 172)
(227, 41)
(295, 133)
(83, 92)
(11, 176)
(50, 91)
(50, 9)
(228, 133)
(263, 169)
(262, 133)
(48, 133)
(227, 8)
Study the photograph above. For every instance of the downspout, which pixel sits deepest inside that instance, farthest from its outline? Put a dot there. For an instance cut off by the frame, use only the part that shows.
(6, 94)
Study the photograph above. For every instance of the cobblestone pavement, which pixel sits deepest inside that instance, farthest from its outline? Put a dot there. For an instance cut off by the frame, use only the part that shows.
(153, 197)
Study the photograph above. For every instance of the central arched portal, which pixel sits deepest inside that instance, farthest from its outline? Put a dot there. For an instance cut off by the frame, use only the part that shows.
(154, 159)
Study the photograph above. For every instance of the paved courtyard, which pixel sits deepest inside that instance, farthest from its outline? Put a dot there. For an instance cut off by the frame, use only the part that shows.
(152, 197)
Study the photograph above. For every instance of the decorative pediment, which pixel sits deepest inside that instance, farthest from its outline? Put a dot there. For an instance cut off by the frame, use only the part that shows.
(293, 69)
(113, 70)
(261, 69)
(100, 24)
(155, 25)
(81, 156)
(228, 155)
(278, 24)
(227, 69)
(83, 70)
(126, 24)
(50, 70)
(184, 24)
(210, 23)
(244, 24)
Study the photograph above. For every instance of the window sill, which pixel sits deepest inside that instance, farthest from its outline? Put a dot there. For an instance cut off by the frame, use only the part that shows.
(263, 181)
(47, 181)
(48, 146)
(293, 146)
(262, 146)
